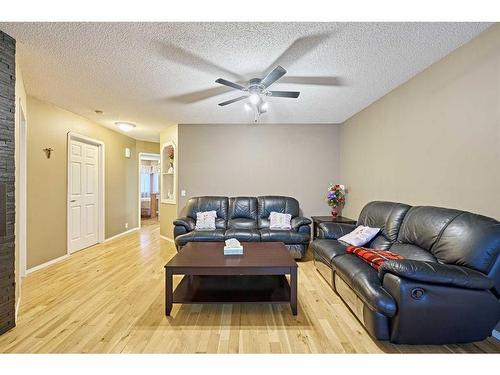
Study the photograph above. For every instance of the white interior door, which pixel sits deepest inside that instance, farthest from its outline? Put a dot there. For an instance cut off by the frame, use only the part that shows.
(83, 195)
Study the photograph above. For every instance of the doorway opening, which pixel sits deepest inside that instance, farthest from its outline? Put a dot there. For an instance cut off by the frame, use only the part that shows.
(149, 188)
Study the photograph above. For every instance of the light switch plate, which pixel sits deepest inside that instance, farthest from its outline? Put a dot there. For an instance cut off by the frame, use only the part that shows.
(183, 193)
(127, 153)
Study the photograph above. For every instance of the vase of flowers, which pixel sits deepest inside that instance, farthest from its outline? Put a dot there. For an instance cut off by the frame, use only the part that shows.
(171, 156)
(336, 198)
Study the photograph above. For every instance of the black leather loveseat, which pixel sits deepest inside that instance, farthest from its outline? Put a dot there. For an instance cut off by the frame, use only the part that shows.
(246, 219)
(447, 288)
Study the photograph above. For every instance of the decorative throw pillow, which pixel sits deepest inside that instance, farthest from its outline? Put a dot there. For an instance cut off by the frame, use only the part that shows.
(373, 257)
(279, 221)
(359, 236)
(205, 220)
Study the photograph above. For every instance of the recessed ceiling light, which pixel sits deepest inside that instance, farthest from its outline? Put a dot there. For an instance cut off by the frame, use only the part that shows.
(125, 126)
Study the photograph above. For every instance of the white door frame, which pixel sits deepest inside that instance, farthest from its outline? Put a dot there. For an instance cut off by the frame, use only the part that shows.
(23, 162)
(101, 185)
(141, 154)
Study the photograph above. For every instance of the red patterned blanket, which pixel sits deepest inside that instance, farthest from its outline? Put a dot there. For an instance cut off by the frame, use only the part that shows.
(373, 257)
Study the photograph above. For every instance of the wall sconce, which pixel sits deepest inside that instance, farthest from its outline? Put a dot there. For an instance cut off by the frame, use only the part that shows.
(48, 151)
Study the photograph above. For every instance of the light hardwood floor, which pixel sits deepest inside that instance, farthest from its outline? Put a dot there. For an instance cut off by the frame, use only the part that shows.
(110, 299)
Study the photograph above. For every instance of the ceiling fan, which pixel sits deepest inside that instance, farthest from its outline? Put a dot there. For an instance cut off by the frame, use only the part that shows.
(257, 89)
(254, 89)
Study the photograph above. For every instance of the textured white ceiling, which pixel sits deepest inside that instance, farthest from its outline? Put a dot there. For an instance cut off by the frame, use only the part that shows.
(141, 72)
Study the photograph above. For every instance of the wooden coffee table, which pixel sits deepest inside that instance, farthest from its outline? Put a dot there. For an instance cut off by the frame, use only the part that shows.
(257, 276)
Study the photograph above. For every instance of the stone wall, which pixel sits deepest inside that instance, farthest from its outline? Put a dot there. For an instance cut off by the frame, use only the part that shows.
(7, 183)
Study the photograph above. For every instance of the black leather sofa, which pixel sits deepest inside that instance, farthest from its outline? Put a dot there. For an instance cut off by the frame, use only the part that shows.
(447, 288)
(246, 219)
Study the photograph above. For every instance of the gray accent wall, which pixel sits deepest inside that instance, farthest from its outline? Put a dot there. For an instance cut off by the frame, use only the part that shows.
(297, 160)
(7, 177)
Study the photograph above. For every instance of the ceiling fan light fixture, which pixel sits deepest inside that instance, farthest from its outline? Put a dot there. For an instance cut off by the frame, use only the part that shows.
(254, 98)
(264, 107)
(125, 126)
(248, 107)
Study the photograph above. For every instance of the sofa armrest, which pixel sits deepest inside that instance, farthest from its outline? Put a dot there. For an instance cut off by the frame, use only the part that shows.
(185, 222)
(436, 273)
(179, 230)
(333, 231)
(299, 221)
(429, 313)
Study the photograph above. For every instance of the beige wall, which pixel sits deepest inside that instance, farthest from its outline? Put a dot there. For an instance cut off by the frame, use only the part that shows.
(149, 147)
(168, 212)
(48, 127)
(298, 160)
(20, 101)
(434, 140)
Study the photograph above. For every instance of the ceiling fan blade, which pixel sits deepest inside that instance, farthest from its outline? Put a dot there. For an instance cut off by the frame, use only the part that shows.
(272, 77)
(225, 82)
(313, 80)
(196, 96)
(234, 100)
(181, 56)
(299, 48)
(285, 94)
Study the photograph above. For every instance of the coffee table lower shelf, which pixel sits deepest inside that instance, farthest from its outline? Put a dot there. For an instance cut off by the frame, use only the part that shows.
(232, 289)
(259, 276)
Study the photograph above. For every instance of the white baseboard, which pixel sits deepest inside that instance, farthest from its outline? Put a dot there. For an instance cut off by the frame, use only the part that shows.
(50, 262)
(167, 239)
(17, 304)
(46, 264)
(496, 334)
(121, 234)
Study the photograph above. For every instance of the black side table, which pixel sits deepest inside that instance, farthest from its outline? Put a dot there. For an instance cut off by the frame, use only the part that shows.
(329, 219)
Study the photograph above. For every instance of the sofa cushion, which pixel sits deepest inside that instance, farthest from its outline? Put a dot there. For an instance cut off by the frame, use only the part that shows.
(423, 225)
(469, 240)
(413, 252)
(200, 204)
(200, 236)
(242, 213)
(364, 280)
(385, 215)
(267, 204)
(243, 235)
(325, 250)
(286, 236)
